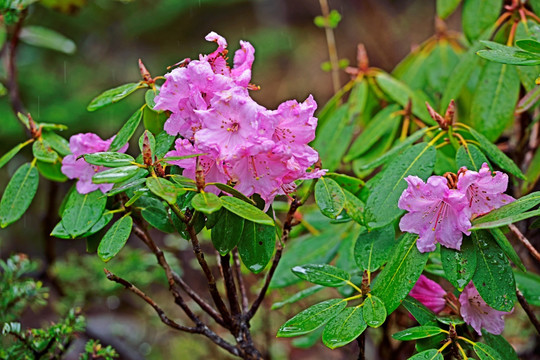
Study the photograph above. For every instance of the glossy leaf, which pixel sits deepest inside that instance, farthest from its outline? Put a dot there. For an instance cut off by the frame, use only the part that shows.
(471, 157)
(372, 248)
(494, 100)
(329, 197)
(418, 310)
(158, 217)
(47, 38)
(164, 189)
(164, 142)
(44, 152)
(322, 274)
(82, 211)
(499, 344)
(109, 159)
(507, 248)
(349, 183)
(459, 265)
(354, 207)
(344, 328)
(61, 233)
(418, 332)
(312, 318)
(507, 220)
(227, 232)
(127, 131)
(493, 278)
(246, 211)
(256, 245)
(51, 171)
(57, 142)
(206, 202)
(232, 191)
(11, 153)
(510, 211)
(431, 354)
(496, 155)
(529, 45)
(374, 311)
(116, 175)
(19, 193)
(508, 55)
(479, 15)
(486, 352)
(529, 284)
(113, 95)
(115, 238)
(398, 277)
(297, 297)
(381, 206)
(446, 7)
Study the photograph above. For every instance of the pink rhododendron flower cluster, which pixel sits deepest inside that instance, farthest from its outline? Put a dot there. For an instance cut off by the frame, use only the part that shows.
(258, 150)
(440, 213)
(77, 168)
(473, 309)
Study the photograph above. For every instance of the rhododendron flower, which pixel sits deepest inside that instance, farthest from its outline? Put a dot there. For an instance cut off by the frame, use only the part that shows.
(478, 314)
(429, 293)
(75, 168)
(246, 145)
(435, 212)
(484, 191)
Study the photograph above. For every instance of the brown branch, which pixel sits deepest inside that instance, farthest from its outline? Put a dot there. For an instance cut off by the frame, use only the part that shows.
(12, 85)
(230, 288)
(525, 242)
(152, 303)
(287, 226)
(240, 280)
(530, 313)
(332, 50)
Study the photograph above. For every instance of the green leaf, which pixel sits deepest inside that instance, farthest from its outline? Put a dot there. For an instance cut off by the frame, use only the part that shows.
(418, 332)
(82, 211)
(312, 318)
(151, 141)
(61, 233)
(227, 232)
(164, 142)
(478, 16)
(109, 159)
(529, 45)
(19, 193)
(372, 248)
(459, 265)
(11, 153)
(149, 98)
(44, 152)
(164, 189)
(508, 55)
(114, 95)
(206, 202)
(529, 284)
(508, 212)
(115, 238)
(528, 100)
(418, 310)
(354, 207)
(493, 278)
(322, 274)
(401, 93)
(334, 136)
(496, 155)
(329, 197)
(153, 120)
(395, 150)
(116, 175)
(471, 157)
(256, 245)
(398, 277)
(297, 297)
(507, 220)
(158, 217)
(232, 191)
(57, 142)
(499, 343)
(431, 354)
(344, 328)
(374, 311)
(494, 100)
(47, 38)
(381, 204)
(349, 183)
(486, 352)
(507, 248)
(126, 132)
(446, 7)
(377, 127)
(51, 171)
(246, 211)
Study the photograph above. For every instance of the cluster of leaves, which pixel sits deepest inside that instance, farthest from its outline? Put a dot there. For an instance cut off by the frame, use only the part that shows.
(19, 292)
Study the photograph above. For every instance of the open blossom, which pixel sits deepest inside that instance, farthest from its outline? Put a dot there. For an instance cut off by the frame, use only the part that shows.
(246, 145)
(478, 314)
(429, 293)
(485, 192)
(435, 212)
(74, 168)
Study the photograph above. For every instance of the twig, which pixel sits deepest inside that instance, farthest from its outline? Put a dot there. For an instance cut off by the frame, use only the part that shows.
(13, 87)
(525, 241)
(287, 226)
(525, 305)
(152, 303)
(230, 287)
(240, 280)
(332, 50)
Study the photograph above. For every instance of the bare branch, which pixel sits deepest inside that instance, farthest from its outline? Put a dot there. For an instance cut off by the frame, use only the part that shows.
(530, 313)
(525, 242)
(240, 280)
(230, 287)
